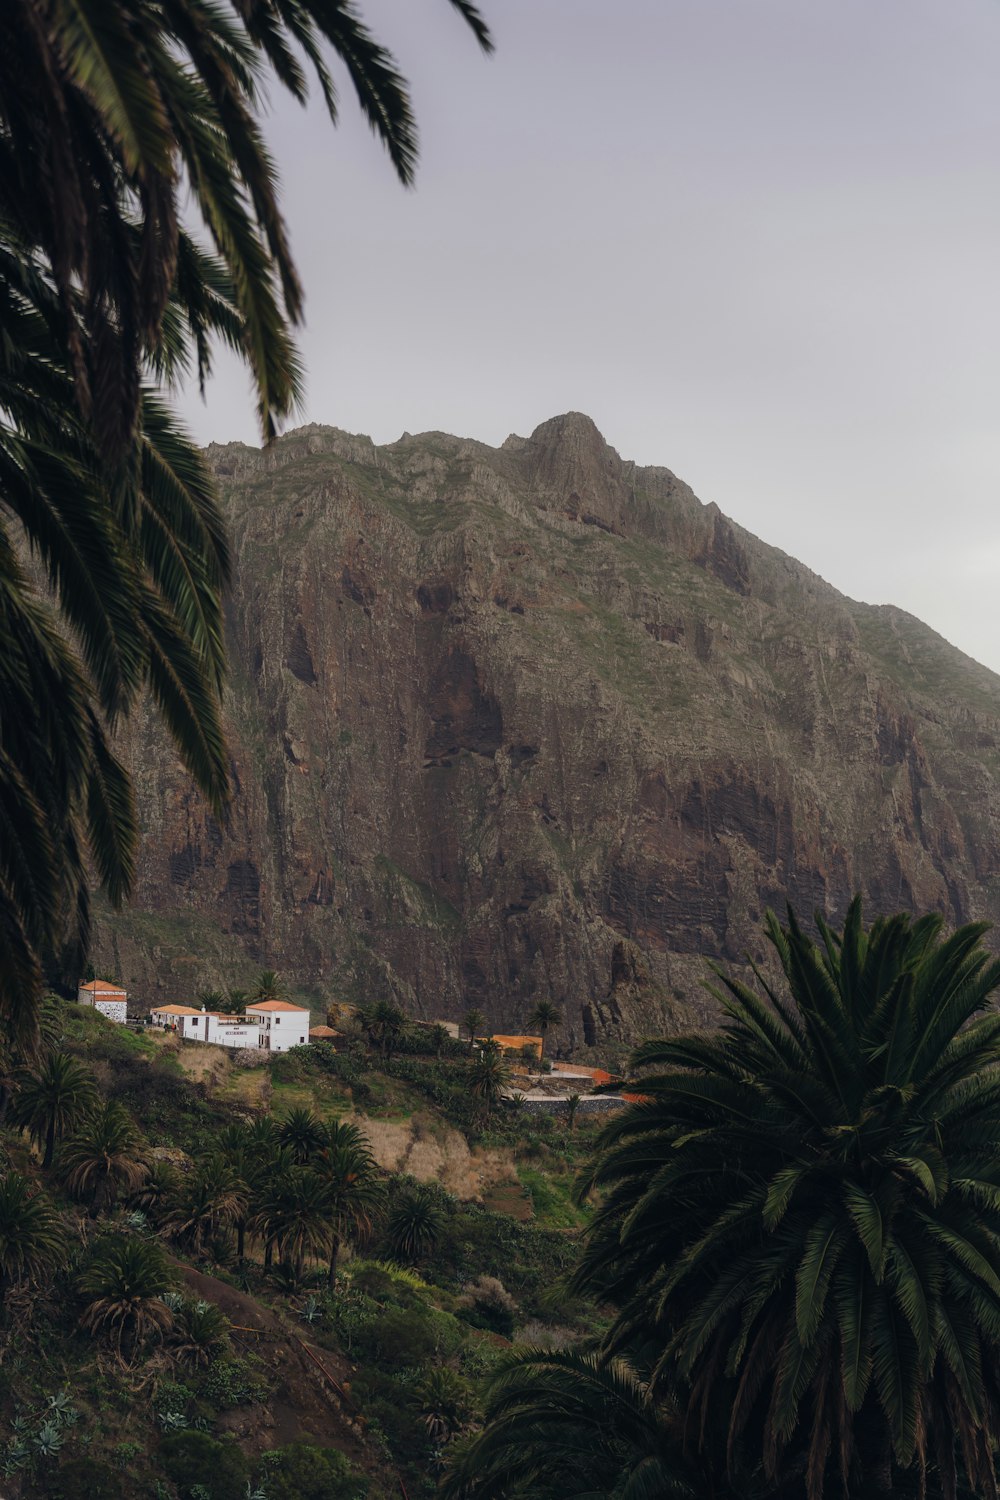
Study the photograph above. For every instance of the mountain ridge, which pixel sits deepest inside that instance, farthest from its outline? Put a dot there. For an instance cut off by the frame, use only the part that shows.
(535, 722)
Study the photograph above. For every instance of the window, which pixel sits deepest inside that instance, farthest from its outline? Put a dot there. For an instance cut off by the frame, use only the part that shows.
(301, 1040)
(277, 1020)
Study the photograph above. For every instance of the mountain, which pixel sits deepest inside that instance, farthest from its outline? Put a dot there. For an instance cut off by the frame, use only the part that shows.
(534, 722)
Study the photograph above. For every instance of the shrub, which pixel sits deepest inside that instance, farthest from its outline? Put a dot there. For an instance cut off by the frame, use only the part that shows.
(404, 1338)
(194, 1458)
(304, 1472)
(235, 1382)
(487, 1304)
(85, 1477)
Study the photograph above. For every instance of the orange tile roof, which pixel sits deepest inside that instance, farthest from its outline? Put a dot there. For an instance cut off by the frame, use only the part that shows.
(597, 1075)
(175, 1010)
(323, 1031)
(96, 985)
(516, 1041)
(277, 1005)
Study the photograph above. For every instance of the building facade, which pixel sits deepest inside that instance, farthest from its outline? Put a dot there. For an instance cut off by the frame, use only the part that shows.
(273, 1026)
(109, 1000)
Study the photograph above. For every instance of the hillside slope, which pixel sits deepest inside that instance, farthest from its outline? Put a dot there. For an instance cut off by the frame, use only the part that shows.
(534, 722)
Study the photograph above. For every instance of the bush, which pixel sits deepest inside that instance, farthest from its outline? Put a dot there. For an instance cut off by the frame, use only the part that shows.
(194, 1458)
(487, 1304)
(404, 1338)
(85, 1477)
(303, 1472)
(235, 1382)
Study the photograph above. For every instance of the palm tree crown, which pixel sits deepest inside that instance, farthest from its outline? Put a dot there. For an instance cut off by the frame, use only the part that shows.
(355, 1195)
(122, 1286)
(543, 1015)
(801, 1225)
(32, 1241)
(106, 1157)
(113, 116)
(54, 1099)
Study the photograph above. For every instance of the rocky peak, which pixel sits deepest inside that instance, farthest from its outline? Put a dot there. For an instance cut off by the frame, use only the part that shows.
(574, 473)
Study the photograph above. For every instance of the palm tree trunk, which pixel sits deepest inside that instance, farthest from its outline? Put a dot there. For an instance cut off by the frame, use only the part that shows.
(100, 1198)
(331, 1279)
(241, 1230)
(268, 1255)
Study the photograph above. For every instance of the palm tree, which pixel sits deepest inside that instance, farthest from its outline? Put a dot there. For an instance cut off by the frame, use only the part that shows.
(355, 1195)
(572, 1109)
(803, 1220)
(383, 1024)
(443, 1399)
(472, 1024)
(157, 105)
(269, 985)
(200, 1333)
(32, 1242)
(569, 1425)
(105, 1158)
(157, 1192)
(209, 1201)
(489, 1078)
(213, 1000)
(544, 1015)
(293, 1217)
(108, 118)
(123, 1286)
(415, 1225)
(440, 1036)
(53, 1100)
(302, 1132)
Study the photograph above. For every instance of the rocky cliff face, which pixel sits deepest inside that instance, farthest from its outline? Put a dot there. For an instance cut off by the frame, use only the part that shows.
(532, 721)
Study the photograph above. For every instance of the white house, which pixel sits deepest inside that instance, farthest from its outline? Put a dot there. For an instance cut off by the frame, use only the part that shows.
(187, 1020)
(275, 1025)
(282, 1024)
(109, 1000)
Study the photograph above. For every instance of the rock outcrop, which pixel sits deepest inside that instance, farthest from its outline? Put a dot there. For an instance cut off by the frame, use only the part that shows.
(532, 721)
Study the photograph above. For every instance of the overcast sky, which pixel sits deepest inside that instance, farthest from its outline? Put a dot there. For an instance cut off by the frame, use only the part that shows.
(758, 241)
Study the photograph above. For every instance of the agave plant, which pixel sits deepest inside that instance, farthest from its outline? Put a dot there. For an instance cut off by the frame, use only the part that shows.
(48, 1440)
(311, 1310)
(60, 1409)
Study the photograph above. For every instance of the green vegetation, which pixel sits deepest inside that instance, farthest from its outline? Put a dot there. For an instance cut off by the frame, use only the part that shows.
(775, 1278)
(188, 1238)
(798, 1233)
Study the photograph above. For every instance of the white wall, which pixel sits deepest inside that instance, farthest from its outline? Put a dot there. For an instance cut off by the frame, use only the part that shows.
(115, 1010)
(225, 1034)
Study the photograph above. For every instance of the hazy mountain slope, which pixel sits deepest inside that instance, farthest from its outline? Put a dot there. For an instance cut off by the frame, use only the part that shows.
(534, 721)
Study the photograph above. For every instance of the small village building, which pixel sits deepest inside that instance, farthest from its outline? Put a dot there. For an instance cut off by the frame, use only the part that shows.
(518, 1044)
(187, 1020)
(275, 1025)
(109, 1000)
(323, 1034)
(282, 1025)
